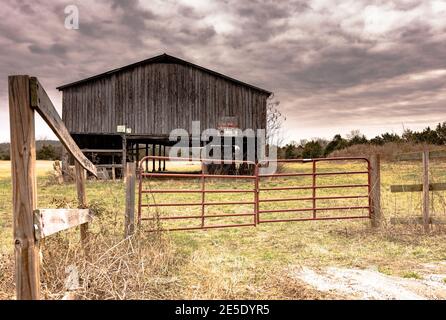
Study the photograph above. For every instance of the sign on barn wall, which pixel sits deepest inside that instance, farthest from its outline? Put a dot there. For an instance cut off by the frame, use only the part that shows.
(123, 129)
(227, 125)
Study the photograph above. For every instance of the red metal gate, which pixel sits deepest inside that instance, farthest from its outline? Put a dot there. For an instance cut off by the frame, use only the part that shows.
(255, 187)
(202, 217)
(313, 186)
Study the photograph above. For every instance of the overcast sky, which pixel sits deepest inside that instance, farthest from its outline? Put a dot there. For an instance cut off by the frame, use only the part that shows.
(334, 66)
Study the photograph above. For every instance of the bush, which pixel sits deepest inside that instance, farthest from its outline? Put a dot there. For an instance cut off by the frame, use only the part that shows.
(386, 150)
(312, 149)
(5, 156)
(47, 152)
(336, 144)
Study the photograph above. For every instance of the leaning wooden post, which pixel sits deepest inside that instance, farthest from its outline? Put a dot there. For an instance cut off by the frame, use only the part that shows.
(426, 217)
(81, 177)
(24, 195)
(375, 190)
(129, 223)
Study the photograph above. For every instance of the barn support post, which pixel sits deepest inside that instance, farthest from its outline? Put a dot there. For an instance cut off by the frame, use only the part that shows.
(113, 168)
(124, 155)
(153, 160)
(138, 153)
(164, 160)
(81, 177)
(23, 156)
(147, 160)
(159, 159)
(222, 152)
(135, 152)
(426, 213)
(129, 150)
(129, 221)
(375, 190)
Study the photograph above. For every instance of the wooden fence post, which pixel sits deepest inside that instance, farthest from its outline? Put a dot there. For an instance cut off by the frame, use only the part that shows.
(65, 165)
(130, 175)
(375, 190)
(426, 190)
(23, 156)
(81, 177)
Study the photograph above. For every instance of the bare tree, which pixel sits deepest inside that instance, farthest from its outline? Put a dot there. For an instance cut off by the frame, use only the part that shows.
(274, 121)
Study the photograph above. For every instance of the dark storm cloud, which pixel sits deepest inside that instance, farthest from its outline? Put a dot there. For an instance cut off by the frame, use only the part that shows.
(261, 11)
(348, 64)
(260, 21)
(55, 49)
(406, 4)
(189, 12)
(26, 8)
(133, 15)
(199, 35)
(335, 65)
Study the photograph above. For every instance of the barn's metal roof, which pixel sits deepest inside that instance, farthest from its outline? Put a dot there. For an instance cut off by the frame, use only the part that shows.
(163, 58)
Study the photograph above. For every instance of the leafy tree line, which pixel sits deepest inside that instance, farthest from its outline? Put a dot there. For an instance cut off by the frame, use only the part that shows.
(48, 152)
(45, 150)
(317, 148)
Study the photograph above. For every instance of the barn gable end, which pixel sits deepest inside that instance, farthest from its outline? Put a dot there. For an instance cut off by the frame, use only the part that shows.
(158, 95)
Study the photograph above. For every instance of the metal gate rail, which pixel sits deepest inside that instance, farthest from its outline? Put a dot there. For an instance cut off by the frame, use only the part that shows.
(256, 190)
(314, 187)
(202, 176)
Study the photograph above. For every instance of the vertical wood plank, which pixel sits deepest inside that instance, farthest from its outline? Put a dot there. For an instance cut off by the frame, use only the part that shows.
(23, 156)
(375, 190)
(113, 170)
(65, 165)
(426, 190)
(81, 177)
(129, 222)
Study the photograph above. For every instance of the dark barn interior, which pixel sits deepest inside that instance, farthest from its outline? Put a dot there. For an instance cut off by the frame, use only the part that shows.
(127, 113)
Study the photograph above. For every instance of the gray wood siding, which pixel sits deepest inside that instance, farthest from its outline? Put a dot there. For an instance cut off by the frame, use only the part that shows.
(157, 98)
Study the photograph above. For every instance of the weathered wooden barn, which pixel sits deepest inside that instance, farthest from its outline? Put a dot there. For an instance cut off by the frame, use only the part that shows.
(112, 114)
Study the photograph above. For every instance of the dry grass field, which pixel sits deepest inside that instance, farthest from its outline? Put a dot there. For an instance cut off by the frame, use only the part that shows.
(263, 262)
